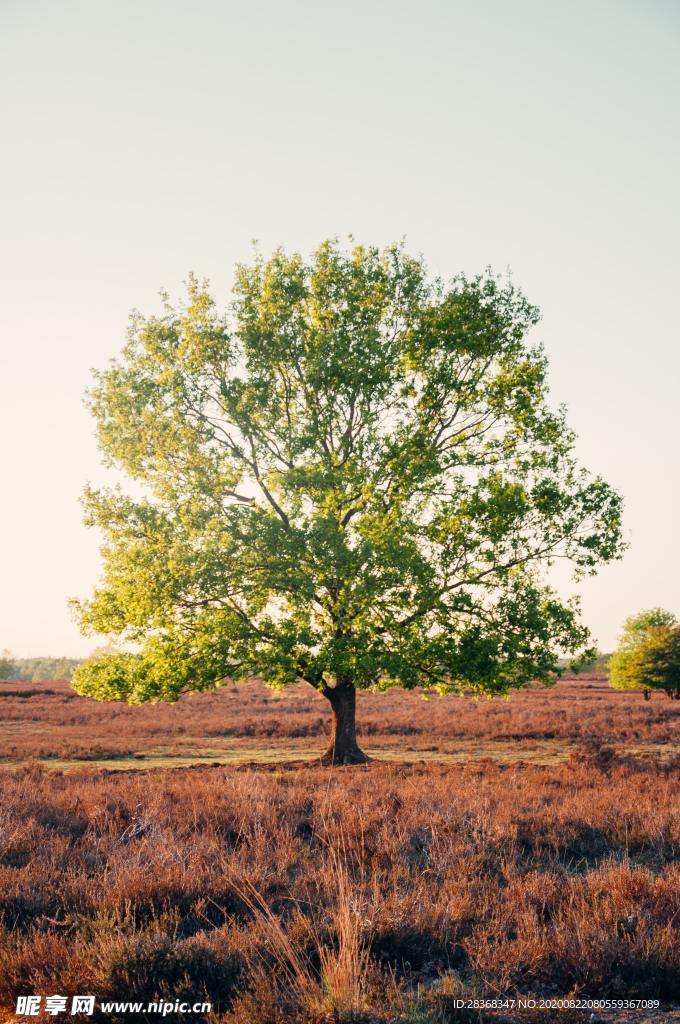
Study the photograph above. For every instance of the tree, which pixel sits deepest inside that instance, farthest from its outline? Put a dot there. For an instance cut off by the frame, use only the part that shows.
(353, 479)
(648, 655)
(7, 666)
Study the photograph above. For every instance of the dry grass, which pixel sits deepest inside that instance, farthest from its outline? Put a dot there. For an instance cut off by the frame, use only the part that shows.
(308, 895)
(334, 974)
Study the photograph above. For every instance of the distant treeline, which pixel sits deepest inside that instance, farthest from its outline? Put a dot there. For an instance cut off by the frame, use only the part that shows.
(37, 668)
(62, 668)
(598, 664)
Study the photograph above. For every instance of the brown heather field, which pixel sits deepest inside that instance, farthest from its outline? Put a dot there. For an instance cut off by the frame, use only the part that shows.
(50, 722)
(492, 849)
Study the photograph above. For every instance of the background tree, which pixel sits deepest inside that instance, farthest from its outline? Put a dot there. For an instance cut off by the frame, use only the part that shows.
(648, 655)
(7, 666)
(45, 668)
(597, 661)
(354, 479)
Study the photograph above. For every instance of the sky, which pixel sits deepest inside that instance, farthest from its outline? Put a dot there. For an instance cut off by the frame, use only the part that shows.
(143, 140)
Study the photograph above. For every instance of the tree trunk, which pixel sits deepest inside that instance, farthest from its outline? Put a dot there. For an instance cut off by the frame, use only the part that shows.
(343, 748)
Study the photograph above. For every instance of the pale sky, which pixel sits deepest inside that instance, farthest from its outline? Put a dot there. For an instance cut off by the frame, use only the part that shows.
(142, 140)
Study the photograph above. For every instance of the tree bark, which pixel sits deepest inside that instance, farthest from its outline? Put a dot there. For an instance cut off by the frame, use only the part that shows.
(343, 747)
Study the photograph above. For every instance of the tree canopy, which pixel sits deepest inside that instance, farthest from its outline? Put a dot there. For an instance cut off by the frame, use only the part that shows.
(648, 655)
(353, 477)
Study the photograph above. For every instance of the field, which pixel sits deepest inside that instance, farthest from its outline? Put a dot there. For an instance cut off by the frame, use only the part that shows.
(492, 849)
(51, 723)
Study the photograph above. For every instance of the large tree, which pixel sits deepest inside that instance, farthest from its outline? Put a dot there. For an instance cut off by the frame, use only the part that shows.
(352, 479)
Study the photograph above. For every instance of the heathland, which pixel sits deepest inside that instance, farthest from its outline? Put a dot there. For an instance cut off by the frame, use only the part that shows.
(491, 848)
